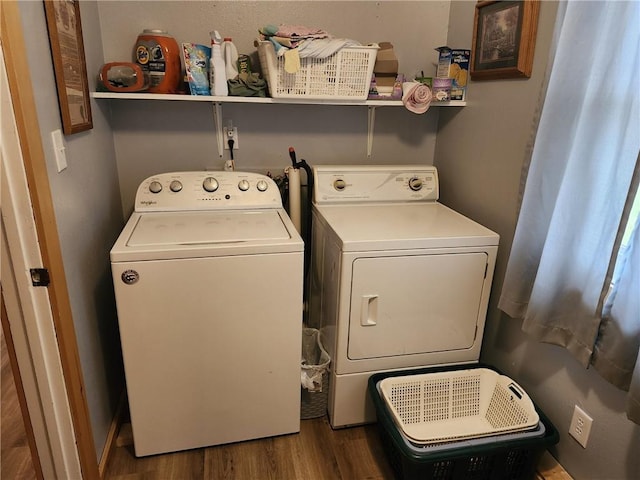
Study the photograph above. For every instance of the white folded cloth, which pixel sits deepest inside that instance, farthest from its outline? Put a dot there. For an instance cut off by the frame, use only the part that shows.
(324, 47)
(416, 97)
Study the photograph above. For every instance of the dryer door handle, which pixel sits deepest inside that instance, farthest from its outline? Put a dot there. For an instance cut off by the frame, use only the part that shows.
(369, 310)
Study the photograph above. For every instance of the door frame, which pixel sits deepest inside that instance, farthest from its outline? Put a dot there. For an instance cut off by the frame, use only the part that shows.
(67, 394)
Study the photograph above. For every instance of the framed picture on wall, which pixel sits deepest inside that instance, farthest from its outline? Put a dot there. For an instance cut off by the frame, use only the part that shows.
(504, 39)
(67, 51)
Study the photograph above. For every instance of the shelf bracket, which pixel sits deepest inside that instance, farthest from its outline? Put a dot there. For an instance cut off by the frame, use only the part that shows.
(217, 119)
(371, 121)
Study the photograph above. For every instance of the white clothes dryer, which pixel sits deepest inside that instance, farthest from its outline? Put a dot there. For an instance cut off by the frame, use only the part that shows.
(208, 281)
(398, 280)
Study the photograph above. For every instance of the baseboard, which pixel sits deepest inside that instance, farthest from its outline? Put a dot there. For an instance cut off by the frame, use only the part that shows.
(112, 435)
(550, 469)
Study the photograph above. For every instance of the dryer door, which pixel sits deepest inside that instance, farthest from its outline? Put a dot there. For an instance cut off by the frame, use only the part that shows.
(407, 305)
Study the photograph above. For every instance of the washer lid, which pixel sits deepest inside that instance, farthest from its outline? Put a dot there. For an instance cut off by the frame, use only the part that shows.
(164, 235)
(206, 228)
(403, 226)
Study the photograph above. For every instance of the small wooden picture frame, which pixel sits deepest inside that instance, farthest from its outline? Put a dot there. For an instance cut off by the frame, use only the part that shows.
(67, 50)
(504, 39)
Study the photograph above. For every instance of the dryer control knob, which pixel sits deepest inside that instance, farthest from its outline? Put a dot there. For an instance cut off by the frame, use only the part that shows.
(210, 184)
(415, 184)
(243, 185)
(175, 186)
(155, 187)
(262, 185)
(339, 184)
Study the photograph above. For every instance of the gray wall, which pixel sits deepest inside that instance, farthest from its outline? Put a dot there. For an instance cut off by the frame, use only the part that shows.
(151, 137)
(86, 197)
(132, 140)
(479, 153)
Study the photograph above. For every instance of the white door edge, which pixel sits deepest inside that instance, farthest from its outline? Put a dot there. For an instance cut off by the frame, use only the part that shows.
(29, 309)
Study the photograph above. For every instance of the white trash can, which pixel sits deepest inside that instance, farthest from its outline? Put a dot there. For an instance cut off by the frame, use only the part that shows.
(314, 375)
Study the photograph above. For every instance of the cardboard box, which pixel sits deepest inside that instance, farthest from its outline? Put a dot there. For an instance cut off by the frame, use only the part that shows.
(378, 92)
(454, 63)
(444, 61)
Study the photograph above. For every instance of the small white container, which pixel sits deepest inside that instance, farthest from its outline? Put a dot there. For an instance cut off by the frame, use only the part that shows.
(217, 75)
(230, 54)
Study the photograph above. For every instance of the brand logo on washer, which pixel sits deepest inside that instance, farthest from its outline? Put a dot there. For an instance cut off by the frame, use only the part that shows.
(130, 277)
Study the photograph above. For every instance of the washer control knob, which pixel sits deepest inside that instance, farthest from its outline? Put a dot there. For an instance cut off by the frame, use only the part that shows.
(155, 187)
(175, 186)
(210, 184)
(339, 184)
(415, 184)
(243, 185)
(262, 186)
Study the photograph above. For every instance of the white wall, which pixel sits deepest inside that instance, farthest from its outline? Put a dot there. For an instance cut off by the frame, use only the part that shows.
(479, 153)
(86, 197)
(152, 137)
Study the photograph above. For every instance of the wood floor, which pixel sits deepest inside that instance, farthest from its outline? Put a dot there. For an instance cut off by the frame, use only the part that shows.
(316, 453)
(15, 456)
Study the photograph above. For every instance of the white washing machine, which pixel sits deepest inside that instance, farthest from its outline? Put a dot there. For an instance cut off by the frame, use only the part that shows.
(208, 281)
(398, 280)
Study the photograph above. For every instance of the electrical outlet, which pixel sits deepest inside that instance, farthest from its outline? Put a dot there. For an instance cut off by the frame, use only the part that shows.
(580, 426)
(230, 133)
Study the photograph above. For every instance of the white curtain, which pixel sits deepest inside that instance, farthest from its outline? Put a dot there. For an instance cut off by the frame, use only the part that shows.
(616, 354)
(577, 190)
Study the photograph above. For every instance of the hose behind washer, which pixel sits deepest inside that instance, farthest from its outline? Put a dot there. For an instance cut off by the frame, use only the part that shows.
(306, 232)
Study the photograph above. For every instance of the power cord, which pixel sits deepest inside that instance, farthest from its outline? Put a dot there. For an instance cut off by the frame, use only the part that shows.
(230, 165)
(231, 142)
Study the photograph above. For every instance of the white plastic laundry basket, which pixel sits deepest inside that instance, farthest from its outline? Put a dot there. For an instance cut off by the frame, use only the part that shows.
(345, 75)
(455, 405)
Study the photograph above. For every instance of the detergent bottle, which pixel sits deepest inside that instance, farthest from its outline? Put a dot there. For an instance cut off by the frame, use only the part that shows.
(158, 55)
(217, 75)
(230, 58)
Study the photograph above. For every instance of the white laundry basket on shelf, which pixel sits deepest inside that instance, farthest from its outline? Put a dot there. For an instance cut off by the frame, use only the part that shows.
(345, 75)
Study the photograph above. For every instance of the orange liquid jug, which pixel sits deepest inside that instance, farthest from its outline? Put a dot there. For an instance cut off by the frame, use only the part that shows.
(158, 55)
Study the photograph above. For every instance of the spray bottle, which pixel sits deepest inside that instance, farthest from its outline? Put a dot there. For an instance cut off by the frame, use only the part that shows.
(217, 76)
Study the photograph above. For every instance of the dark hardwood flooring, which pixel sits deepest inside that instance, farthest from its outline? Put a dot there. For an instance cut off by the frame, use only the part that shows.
(15, 455)
(318, 452)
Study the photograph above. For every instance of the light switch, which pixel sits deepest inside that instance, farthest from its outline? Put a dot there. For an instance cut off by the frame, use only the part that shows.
(59, 150)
